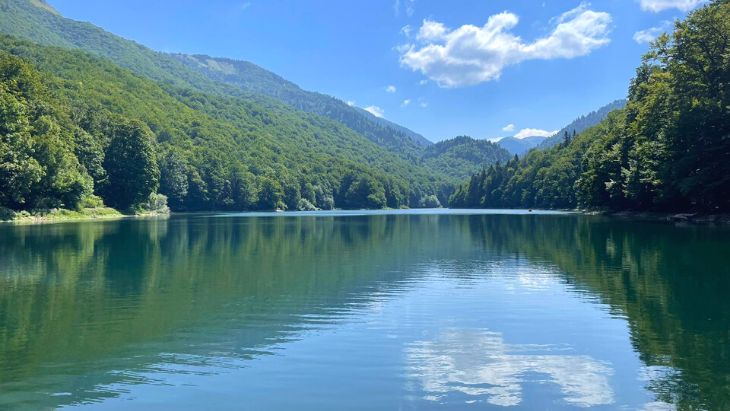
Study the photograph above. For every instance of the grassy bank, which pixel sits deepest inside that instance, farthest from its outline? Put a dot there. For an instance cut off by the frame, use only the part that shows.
(59, 215)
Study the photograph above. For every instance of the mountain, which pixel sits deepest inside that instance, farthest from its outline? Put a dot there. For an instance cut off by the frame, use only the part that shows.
(65, 109)
(582, 123)
(520, 146)
(38, 22)
(463, 156)
(250, 77)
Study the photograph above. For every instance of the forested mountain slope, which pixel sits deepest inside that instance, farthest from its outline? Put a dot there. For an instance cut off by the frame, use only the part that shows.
(251, 77)
(36, 21)
(463, 156)
(582, 123)
(668, 149)
(66, 111)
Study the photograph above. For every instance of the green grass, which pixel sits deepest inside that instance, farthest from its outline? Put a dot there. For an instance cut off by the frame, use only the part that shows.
(59, 215)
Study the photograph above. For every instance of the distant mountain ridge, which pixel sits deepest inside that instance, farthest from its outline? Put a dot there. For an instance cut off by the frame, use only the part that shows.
(583, 123)
(520, 146)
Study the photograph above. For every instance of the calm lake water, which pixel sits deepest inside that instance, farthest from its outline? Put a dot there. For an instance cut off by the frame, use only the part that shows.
(374, 311)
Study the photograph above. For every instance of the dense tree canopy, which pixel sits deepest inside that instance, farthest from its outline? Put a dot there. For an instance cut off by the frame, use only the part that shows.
(669, 149)
(131, 164)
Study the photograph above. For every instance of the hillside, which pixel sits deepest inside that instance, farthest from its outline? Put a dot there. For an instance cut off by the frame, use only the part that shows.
(667, 150)
(203, 151)
(36, 21)
(582, 123)
(463, 156)
(520, 146)
(250, 77)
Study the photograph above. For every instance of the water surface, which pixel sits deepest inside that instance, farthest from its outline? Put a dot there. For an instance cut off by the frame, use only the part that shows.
(435, 309)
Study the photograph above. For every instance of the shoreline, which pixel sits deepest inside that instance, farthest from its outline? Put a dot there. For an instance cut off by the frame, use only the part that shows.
(109, 214)
(56, 216)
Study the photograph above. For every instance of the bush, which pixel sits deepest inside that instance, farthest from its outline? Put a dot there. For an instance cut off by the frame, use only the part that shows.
(91, 201)
(430, 201)
(305, 205)
(156, 203)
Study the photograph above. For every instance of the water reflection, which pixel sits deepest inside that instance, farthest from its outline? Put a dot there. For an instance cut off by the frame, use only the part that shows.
(480, 364)
(88, 311)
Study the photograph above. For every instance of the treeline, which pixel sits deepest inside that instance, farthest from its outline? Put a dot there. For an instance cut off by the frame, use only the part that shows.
(669, 149)
(76, 129)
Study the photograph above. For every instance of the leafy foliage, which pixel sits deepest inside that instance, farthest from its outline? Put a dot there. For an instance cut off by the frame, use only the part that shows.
(131, 164)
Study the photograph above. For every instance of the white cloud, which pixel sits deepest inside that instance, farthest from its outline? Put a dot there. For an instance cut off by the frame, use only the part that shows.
(390, 89)
(375, 110)
(480, 365)
(470, 55)
(406, 30)
(405, 103)
(508, 128)
(350, 103)
(431, 30)
(659, 5)
(534, 132)
(650, 34)
(408, 6)
(422, 103)
(423, 82)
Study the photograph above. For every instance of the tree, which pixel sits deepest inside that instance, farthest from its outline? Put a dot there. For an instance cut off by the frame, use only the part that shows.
(270, 194)
(19, 171)
(131, 165)
(173, 178)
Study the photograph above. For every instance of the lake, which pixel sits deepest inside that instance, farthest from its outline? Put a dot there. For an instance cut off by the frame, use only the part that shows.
(422, 309)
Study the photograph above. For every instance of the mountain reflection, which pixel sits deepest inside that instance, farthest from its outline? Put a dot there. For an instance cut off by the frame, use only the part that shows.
(480, 364)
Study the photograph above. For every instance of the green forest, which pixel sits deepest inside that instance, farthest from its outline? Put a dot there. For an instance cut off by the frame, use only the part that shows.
(667, 150)
(90, 119)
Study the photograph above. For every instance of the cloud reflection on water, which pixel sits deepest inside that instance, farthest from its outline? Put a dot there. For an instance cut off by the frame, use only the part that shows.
(479, 363)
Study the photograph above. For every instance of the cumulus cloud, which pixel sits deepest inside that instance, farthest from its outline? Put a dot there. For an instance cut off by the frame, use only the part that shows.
(390, 89)
(470, 55)
(509, 128)
(375, 110)
(656, 6)
(431, 30)
(534, 132)
(405, 103)
(350, 103)
(650, 34)
(406, 30)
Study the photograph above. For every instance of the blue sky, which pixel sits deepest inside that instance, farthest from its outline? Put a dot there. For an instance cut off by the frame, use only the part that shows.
(484, 68)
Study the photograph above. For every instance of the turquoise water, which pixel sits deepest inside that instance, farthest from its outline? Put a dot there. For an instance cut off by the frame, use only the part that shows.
(424, 309)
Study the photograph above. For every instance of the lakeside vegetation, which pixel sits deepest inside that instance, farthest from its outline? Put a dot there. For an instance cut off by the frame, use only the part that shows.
(127, 123)
(668, 150)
